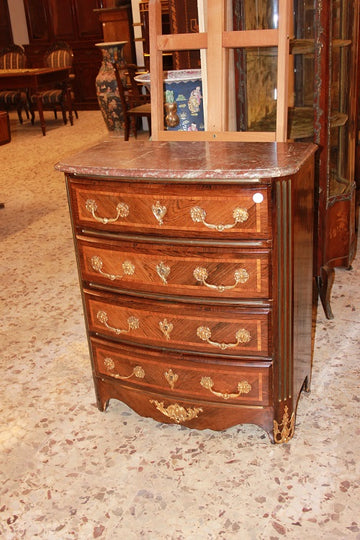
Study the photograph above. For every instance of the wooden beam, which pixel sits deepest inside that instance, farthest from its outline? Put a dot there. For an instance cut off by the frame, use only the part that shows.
(250, 38)
(283, 70)
(156, 70)
(182, 42)
(216, 80)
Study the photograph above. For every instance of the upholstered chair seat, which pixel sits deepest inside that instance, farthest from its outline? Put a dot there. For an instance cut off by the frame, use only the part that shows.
(13, 57)
(61, 96)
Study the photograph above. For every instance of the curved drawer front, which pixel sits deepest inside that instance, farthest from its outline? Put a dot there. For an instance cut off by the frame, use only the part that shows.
(181, 270)
(180, 210)
(210, 329)
(243, 384)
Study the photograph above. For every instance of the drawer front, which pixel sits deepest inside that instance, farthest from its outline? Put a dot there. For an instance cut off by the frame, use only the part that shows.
(168, 210)
(167, 374)
(176, 270)
(192, 327)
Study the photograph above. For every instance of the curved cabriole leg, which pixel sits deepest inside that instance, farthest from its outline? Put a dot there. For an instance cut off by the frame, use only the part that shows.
(307, 385)
(325, 283)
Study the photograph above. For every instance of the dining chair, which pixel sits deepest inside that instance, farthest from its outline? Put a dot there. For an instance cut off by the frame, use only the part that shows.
(14, 57)
(135, 105)
(59, 55)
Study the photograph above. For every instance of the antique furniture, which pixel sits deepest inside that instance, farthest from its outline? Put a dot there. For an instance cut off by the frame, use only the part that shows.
(6, 36)
(59, 55)
(323, 103)
(5, 136)
(195, 263)
(13, 57)
(165, 25)
(76, 23)
(135, 105)
(117, 25)
(35, 80)
(336, 104)
(183, 18)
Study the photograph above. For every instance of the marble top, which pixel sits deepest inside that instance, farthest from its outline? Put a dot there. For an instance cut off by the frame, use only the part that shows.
(191, 160)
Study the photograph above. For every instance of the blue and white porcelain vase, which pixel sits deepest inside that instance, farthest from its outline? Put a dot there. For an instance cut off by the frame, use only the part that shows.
(107, 92)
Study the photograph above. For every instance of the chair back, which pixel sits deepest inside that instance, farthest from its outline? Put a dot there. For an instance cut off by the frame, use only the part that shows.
(12, 57)
(59, 55)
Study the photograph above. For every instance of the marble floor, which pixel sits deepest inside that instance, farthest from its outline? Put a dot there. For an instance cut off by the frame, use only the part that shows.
(68, 471)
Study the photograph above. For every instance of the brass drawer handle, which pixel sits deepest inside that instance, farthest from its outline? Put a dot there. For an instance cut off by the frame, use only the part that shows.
(242, 336)
(121, 208)
(201, 274)
(159, 212)
(137, 372)
(243, 387)
(177, 412)
(198, 215)
(97, 264)
(133, 323)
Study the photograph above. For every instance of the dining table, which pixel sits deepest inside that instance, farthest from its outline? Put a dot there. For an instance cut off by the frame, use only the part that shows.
(34, 81)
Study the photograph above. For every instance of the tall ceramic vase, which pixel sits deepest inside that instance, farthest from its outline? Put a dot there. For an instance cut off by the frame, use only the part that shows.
(106, 86)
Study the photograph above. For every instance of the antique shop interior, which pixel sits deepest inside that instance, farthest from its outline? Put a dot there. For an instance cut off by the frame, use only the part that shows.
(179, 209)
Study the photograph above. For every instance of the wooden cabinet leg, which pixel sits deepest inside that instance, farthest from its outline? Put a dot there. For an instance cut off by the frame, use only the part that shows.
(325, 283)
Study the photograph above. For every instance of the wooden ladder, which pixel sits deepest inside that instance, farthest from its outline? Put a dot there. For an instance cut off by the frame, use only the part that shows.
(217, 42)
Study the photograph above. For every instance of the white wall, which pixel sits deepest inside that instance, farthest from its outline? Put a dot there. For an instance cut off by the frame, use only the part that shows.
(18, 22)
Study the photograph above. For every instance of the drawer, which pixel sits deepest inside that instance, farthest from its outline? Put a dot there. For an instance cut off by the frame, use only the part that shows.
(245, 383)
(172, 210)
(227, 330)
(221, 272)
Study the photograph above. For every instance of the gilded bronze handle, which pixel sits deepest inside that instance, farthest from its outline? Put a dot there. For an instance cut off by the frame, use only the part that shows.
(137, 372)
(243, 387)
(176, 412)
(242, 336)
(198, 215)
(159, 212)
(201, 274)
(121, 208)
(97, 264)
(133, 323)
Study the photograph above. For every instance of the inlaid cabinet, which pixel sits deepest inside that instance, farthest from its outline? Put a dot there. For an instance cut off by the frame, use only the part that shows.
(195, 265)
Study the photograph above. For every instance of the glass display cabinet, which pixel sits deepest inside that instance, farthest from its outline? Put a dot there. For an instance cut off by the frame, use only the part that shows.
(322, 107)
(336, 93)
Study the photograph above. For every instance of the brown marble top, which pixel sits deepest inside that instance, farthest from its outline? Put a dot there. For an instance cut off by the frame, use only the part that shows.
(191, 160)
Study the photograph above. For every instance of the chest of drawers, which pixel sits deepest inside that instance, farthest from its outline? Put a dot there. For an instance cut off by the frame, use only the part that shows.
(195, 263)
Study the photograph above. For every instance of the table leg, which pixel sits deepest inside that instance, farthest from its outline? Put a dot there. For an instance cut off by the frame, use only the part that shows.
(69, 102)
(41, 113)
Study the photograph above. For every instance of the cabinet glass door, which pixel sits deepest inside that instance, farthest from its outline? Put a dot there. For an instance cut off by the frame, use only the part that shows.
(256, 67)
(340, 73)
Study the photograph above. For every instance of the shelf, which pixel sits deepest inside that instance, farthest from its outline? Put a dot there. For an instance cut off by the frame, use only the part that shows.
(307, 46)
